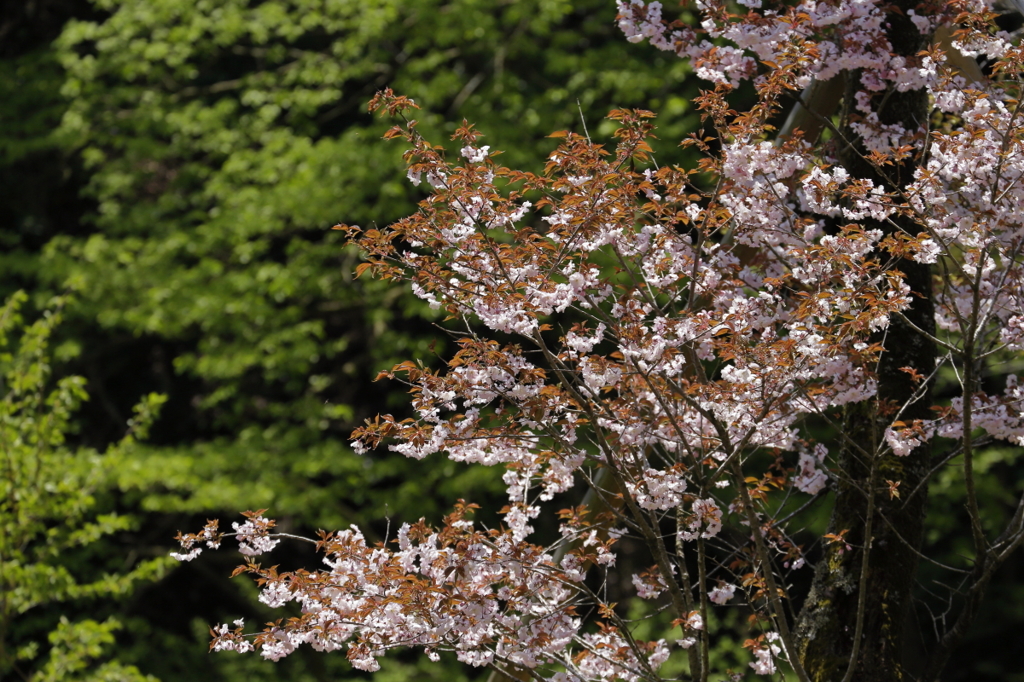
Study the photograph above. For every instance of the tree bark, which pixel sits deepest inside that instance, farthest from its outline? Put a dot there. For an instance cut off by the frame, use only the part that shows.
(828, 621)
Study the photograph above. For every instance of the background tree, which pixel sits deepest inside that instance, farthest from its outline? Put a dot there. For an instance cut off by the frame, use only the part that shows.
(685, 346)
(54, 510)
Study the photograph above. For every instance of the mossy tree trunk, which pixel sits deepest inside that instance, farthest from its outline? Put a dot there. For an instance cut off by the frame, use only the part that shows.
(891, 533)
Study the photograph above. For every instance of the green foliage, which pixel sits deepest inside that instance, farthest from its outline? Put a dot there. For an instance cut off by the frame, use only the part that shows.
(75, 645)
(50, 512)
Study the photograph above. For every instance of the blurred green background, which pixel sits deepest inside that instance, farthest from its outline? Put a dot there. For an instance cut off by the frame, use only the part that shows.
(169, 172)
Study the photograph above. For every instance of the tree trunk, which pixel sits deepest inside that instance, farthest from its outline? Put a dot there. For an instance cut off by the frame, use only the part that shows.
(827, 622)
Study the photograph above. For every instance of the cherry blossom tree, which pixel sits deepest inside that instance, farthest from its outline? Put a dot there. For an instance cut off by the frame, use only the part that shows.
(824, 314)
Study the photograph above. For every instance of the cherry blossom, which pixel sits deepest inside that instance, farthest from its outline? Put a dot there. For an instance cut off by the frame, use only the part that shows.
(675, 341)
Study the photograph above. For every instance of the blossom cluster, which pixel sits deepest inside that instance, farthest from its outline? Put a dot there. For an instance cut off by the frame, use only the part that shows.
(666, 378)
(190, 542)
(483, 595)
(816, 40)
